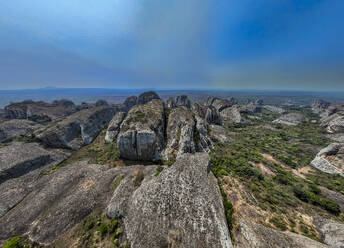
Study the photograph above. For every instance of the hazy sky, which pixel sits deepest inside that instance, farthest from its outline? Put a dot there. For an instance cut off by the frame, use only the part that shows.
(232, 44)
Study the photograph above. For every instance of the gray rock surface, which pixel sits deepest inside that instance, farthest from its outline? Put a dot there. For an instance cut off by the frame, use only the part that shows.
(199, 109)
(21, 164)
(78, 129)
(250, 108)
(320, 106)
(221, 104)
(256, 235)
(101, 103)
(231, 114)
(219, 134)
(142, 132)
(147, 97)
(330, 159)
(180, 133)
(183, 100)
(63, 103)
(275, 109)
(17, 127)
(202, 139)
(182, 207)
(61, 200)
(334, 123)
(331, 232)
(291, 119)
(114, 127)
(130, 102)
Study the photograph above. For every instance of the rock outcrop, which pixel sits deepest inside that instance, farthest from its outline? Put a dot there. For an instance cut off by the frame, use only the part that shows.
(78, 129)
(63, 103)
(275, 109)
(231, 114)
(101, 103)
(291, 119)
(147, 97)
(183, 100)
(330, 159)
(252, 234)
(180, 133)
(142, 132)
(171, 103)
(182, 207)
(17, 127)
(212, 116)
(333, 123)
(130, 102)
(320, 106)
(26, 109)
(114, 127)
(250, 108)
(331, 232)
(219, 134)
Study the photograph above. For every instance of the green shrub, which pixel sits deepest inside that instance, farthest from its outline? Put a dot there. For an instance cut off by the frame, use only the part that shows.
(13, 243)
(278, 222)
(103, 229)
(90, 223)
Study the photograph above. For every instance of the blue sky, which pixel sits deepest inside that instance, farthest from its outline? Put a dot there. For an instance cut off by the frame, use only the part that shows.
(232, 44)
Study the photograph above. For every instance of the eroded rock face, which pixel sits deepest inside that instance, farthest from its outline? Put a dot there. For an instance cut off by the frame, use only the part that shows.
(17, 127)
(291, 119)
(212, 116)
(255, 235)
(130, 102)
(250, 108)
(180, 133)
(202, 140)
(78, 129)
(221, 104)
(147, 97)
(334, 123)
(274, 109)
(183, 100)
(142, 132)
(219, 134)
(320, 106)
(171, 103)
(231, 114)
(114, 127)
(332, 232)
(199, 109)
(182, 207)
(330, 159)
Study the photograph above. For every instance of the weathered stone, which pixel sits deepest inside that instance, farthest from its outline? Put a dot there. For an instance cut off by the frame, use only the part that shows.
(101, 103)
(182, 207)
(212, 116)
(199, 110)
(332, 232)
(231, 114)
(219, 134)
(180, 133)
(183, 100)
(78, 129)
(202, 140)
(63, 103)
(17, 127)
(320, 106)
(142, 132)
(334, 123)
(147, 97)
(330, 159)
(250, 108)
(274, 109)
(130, 102)
(114, 127)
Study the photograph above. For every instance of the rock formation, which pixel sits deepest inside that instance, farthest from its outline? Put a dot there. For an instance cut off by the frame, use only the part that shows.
(291, 119)
(212, 116)
(142, 132)
(332, 232)
(101, 103)
(171, 102)
(330, 159)
(130, 102)
(182, 207)
(17, 127)
(231, 114)
(275, 109)
(183, 100)
(147, 97)
(114, 127)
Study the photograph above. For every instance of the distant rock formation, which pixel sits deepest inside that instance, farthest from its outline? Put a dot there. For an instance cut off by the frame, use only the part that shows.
(101, 103)
(114, 127)
(275, 109)
(147, 97)
(168, 210)
(183, 100)
(142, 132)
(212, 116)
(130, 102)
(332, 232)
(291, 119)
(333, 123)
(320, 106)
(231, 114)
(77, 129)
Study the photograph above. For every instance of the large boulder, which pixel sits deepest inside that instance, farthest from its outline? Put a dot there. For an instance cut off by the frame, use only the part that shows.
(147, 97)
(291, 119)
(182, 207)
(17, 127)
(180, 133)
(331, 232)
(330, 159)
(183, 100)
(114, 127)
(78, 129)
(212, 116)
(231, 114)
(142, 132)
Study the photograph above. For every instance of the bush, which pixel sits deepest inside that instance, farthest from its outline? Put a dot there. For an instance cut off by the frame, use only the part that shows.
(13, 243)
(90, 223)
(330, 206)
(103, 229)
(278, 222)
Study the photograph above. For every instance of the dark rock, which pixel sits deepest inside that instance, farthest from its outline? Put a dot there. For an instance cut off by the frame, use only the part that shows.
(147, 97)
(182, 207)
(101, 103)
(171, 102)
(114, 127)
(183, 100)
(142, 132)
(130, 102)
(78, 129)
(63, 103)
(212, 116)
(259, 102)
